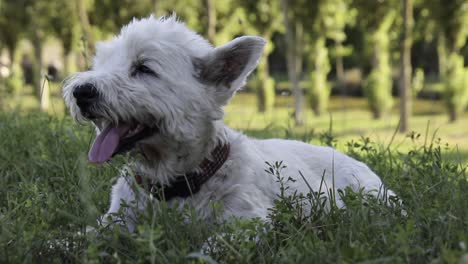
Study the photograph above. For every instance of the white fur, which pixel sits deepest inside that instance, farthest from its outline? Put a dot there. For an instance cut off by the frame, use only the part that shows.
(188, 112)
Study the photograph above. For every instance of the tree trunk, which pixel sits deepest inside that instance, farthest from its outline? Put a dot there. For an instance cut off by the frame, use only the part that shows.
(39, 83)
(2, 83)
(291, 62)
(319, 90)
(405, 67)
(453, 115)
(88, 40)
(441, 54)
(265, 84)
(378, 84)
(211, 13)
(37, 65)
(339, 68)
(298, 50)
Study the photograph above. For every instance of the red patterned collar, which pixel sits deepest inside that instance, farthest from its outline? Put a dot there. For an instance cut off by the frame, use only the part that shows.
(189, 183)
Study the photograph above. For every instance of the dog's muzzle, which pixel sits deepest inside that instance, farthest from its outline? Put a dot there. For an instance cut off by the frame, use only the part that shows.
(86, 95)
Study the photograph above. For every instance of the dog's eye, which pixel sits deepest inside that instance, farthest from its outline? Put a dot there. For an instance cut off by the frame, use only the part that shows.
(143, 69)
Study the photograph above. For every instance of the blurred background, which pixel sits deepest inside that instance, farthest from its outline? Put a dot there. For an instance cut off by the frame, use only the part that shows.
(332, 71)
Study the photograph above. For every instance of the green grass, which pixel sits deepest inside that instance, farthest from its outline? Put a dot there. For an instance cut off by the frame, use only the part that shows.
(49, 194)
(350, 120)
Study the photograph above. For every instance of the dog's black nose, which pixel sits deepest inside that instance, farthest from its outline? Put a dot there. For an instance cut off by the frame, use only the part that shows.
(85, 93)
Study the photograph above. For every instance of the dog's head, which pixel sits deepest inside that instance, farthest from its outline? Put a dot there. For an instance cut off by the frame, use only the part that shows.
(157, 79)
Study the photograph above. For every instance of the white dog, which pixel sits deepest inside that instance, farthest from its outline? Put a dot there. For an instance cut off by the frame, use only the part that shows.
(157, 91)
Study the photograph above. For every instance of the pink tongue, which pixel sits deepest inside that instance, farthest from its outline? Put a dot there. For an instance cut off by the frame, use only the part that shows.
(106, 143)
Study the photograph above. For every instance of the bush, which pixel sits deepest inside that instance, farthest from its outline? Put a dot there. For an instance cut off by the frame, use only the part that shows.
(378, 90)
(455, 81)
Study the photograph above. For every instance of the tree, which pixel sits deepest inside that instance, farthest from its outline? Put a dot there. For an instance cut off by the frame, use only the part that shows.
(451, 20)
(294, 62)
(230, 20)
(324, 18)
(264, 18)
(13, 21)
(39, 27)
(311, 15)
(21, 19)
(376, 18)
(341, 16)
(56, 18)
(405, 66)
(64, 24)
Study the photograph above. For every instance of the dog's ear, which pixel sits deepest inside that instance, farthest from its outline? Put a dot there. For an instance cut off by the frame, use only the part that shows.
(227, 67)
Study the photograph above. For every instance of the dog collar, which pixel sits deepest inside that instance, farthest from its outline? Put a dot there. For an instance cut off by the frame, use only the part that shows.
(189, 183)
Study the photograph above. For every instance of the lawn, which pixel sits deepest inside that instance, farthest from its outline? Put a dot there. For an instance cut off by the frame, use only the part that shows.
(349, 119)
(49, 194)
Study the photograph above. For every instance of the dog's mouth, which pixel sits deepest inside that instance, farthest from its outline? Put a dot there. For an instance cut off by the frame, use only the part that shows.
(118, 139)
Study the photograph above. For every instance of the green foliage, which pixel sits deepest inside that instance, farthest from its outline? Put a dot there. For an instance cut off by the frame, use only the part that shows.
(456, 85)
(378, 90)
(319, 93)
(451, 19)
(265, 93)
(14, 82)
(64, 23)
(263, 18)
(230, 21)
(337, 15)
(378, 85)
(371, 14)
(13, 21)
(322, 19)
(111, 16)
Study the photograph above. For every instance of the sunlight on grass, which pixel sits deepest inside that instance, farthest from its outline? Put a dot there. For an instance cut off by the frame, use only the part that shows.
(350, 120)
(25, 100)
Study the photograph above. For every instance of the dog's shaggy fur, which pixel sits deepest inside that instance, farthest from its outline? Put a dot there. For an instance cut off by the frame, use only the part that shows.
(160, 76)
